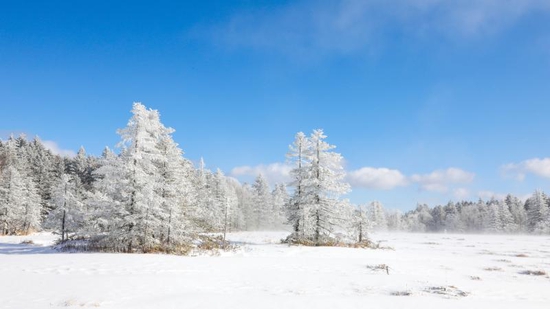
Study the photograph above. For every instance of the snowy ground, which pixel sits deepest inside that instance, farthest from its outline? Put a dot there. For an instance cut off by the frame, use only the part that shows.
(438, 271)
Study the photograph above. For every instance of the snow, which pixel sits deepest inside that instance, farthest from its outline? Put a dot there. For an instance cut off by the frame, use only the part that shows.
(262, 273)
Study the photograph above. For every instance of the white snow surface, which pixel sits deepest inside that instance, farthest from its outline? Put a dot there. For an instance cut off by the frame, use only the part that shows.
(262, 273)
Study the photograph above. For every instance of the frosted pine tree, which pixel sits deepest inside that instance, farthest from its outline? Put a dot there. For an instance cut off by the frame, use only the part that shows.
(246, 204)
(263, 202)
(12, 196)
(145, 215)
(220, 202)
(203, 209)
(361, 225)
(537, 212)
(174, 187)
(298, 206)
(69, 215)
(280, 199)
(517, 210)
(506, 218)
(493, 220)
(20, 204)
(377, 216)
(135, 194)
(323, 186)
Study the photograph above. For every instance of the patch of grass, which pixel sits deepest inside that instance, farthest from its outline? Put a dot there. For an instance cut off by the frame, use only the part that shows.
(328, 241)
(475, 278)
(504, 261)
(522, 255)
(27, 242)
(448, 291)
(487, 252)
(380, 267)
(533, 272)
(493, 269)
(401, 293)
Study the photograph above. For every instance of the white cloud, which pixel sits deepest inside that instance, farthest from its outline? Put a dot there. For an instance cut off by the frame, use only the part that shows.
(440, 180)
(376, 178)
(461, 193)
(274, 173)
(55, 149)
(311, 27)
(536, 166)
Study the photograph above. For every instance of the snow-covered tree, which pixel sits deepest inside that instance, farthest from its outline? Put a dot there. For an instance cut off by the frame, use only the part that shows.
(69, 215)
(19, 203)
(494, 222)
(321, 185)
(377, 216)
(297, 207)
(517, 210)
(263, 203)
(537, 212)
(361, 225)
(394, 219)
(280, 200)
(143, 189)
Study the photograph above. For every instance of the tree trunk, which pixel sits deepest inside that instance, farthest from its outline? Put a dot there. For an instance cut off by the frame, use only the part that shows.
(63, 226)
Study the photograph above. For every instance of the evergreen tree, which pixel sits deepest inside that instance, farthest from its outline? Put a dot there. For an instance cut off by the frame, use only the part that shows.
(322, 188)
(377, 216)
(297, 207)
(280, 199)
(263, 204)
(361, 225)
(537, 212)
(69, 215)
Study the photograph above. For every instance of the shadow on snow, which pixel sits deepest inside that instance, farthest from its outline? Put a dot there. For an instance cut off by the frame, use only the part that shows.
(24, 249)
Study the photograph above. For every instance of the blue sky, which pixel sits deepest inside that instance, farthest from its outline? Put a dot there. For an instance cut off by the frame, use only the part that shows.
(427, 101)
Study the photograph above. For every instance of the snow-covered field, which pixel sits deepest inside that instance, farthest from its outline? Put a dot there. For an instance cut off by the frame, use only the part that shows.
(432, 271)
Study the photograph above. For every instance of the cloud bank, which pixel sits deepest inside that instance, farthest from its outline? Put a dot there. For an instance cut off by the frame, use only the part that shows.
(373, 178)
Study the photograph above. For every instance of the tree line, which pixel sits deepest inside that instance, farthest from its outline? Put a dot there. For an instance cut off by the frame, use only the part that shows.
(149, 197)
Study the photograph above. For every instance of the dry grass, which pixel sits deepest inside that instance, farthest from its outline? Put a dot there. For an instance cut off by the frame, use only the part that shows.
(493, 269)
(533, 272)
(327, 241)
(380, 267)
(401, 293)
(447, 291)
(475, 278)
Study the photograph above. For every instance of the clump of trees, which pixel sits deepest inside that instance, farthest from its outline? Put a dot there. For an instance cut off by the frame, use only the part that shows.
(315, 210)
(511, 216)
(147, 197)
